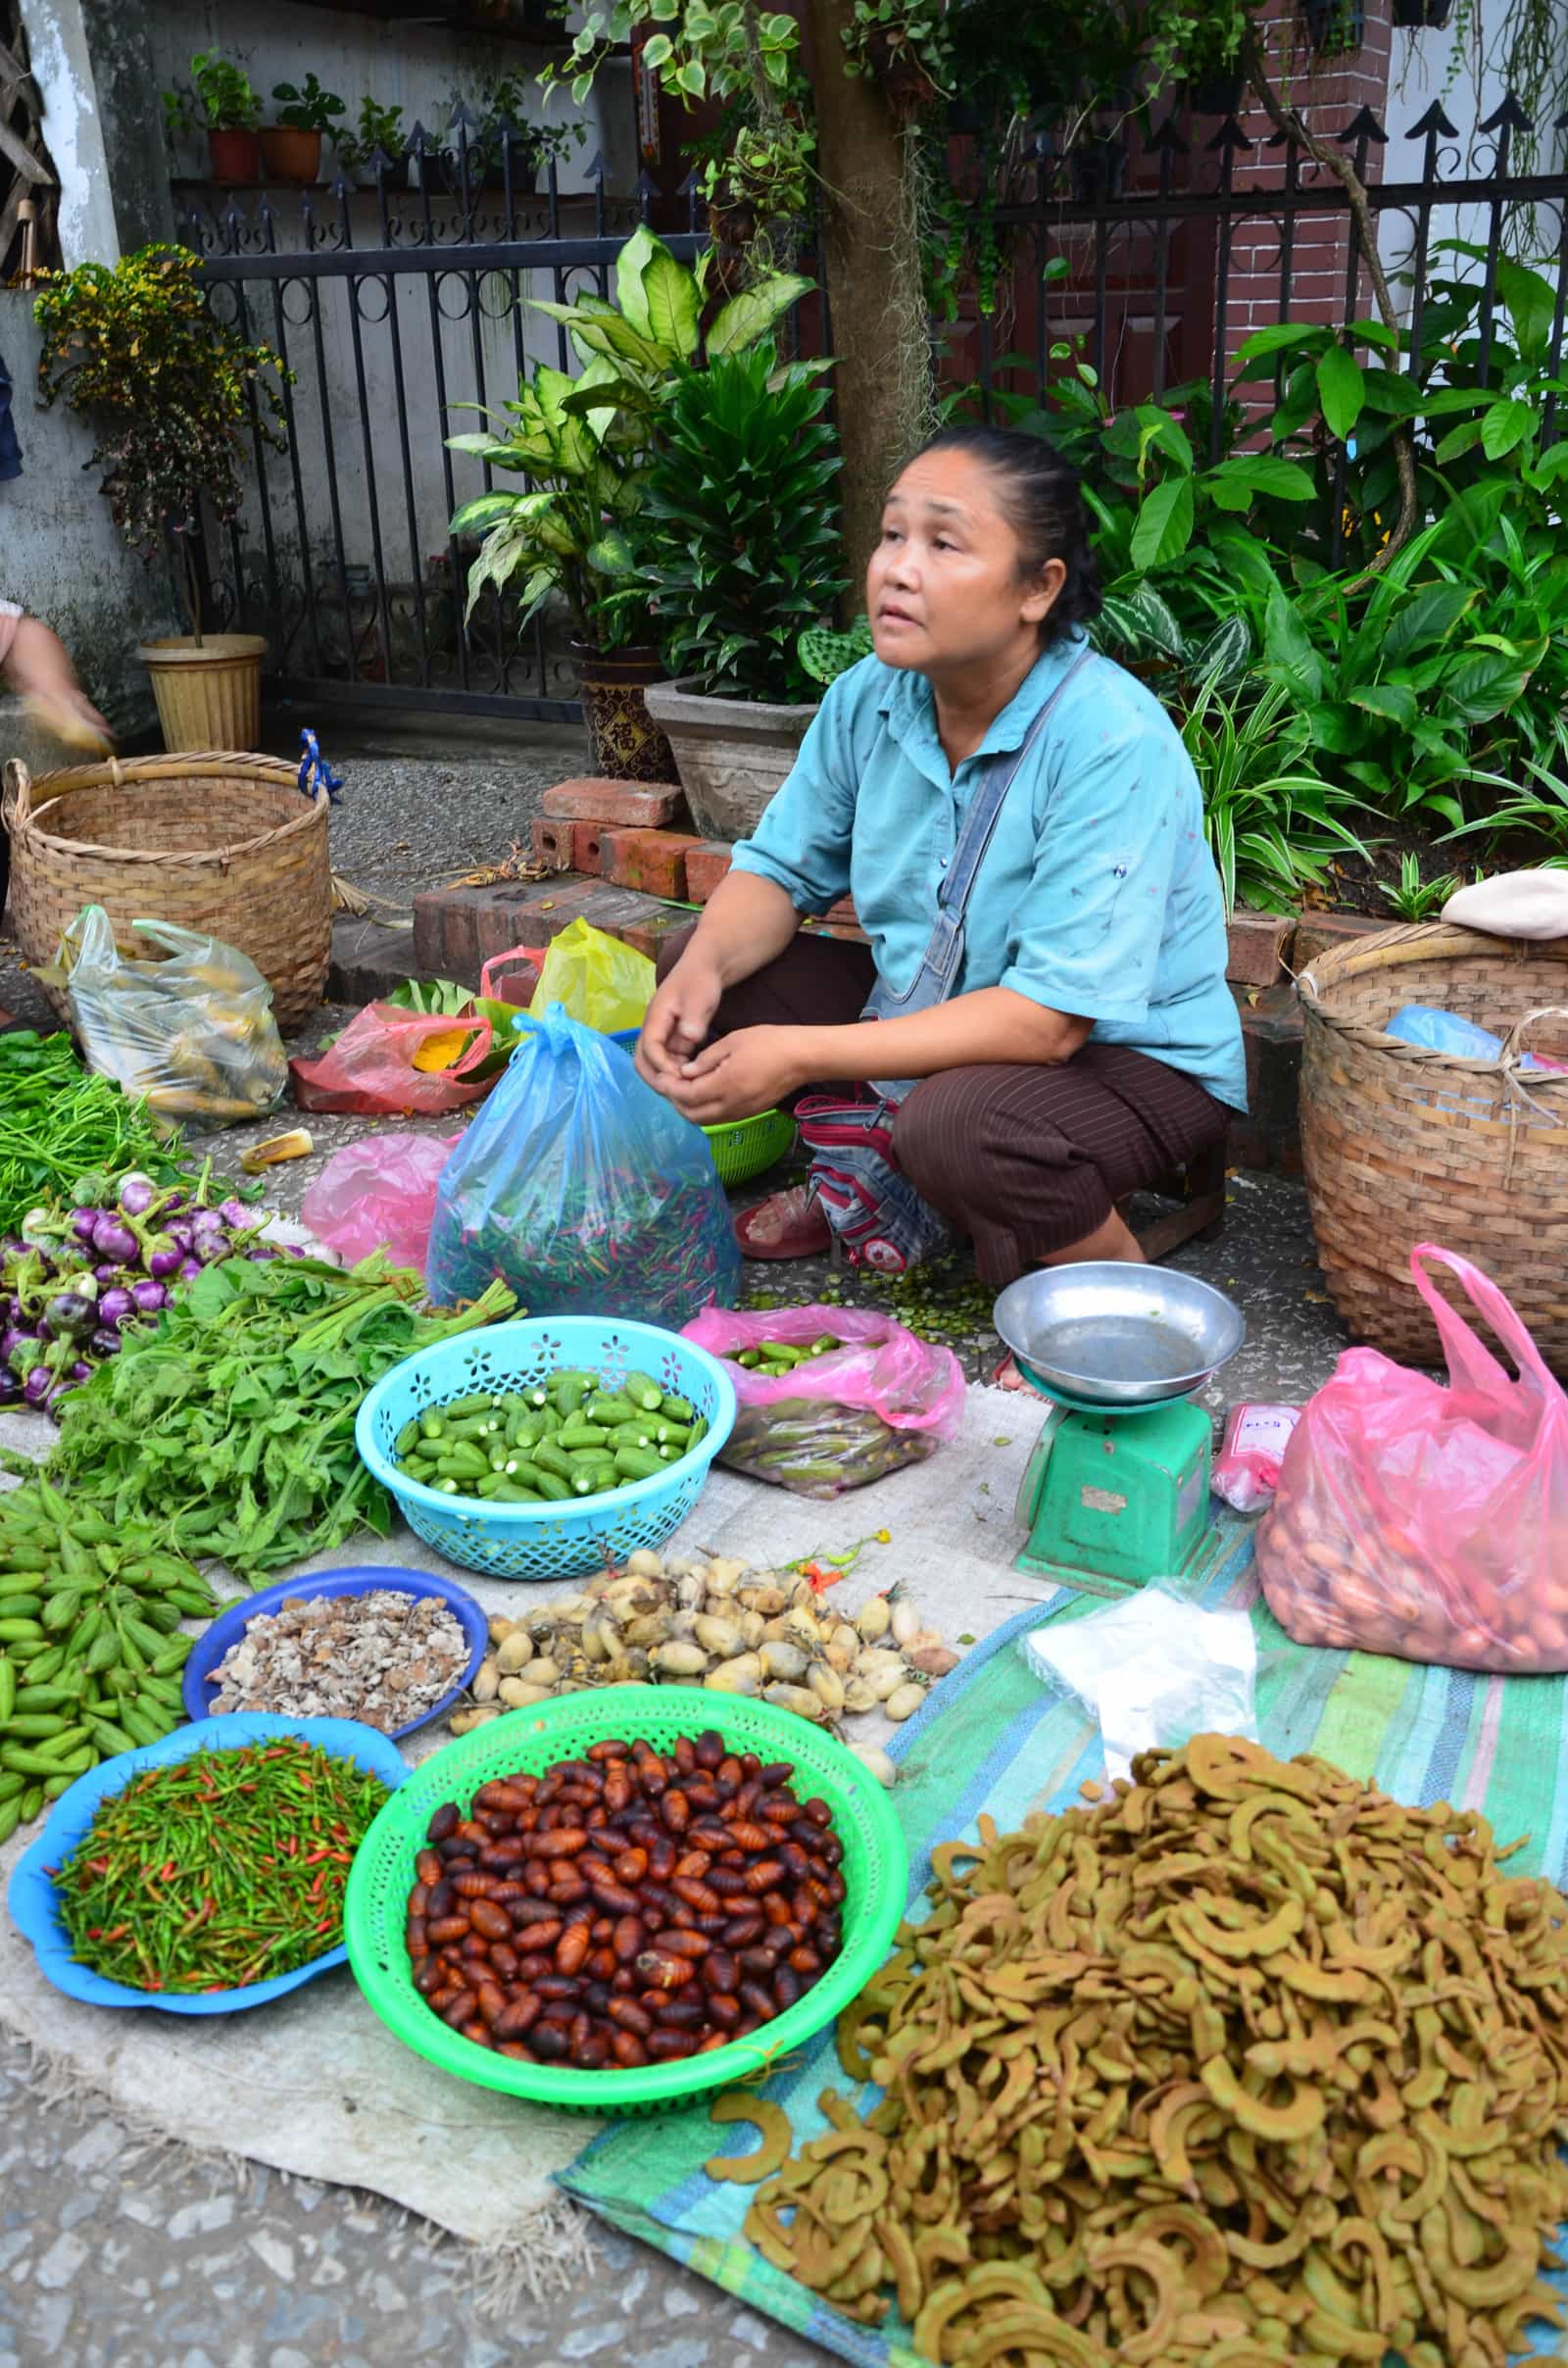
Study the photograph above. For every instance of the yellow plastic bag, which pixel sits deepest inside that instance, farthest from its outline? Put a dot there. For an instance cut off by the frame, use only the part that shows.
(602, 983)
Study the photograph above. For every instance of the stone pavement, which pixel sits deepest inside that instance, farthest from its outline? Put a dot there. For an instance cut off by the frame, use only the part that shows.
(114, 2256)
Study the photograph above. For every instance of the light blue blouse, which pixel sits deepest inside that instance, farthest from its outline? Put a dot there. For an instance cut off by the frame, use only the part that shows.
(1097, 895)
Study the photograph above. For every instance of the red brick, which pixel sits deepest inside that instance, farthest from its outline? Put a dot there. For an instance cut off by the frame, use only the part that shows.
(634, 804)
(585, 852)
(1256, 947)
(520, 913)
(552, 845)
(653, 861)
(446, 942)
(706, 862)
(652, 935)
(1318, 933)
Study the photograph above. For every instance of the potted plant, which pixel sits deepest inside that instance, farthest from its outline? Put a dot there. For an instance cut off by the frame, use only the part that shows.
(291, 148)
(377, 133)
(224, 102)
(171, 394)
(1412, 15)
(585, 446)
(742, 524)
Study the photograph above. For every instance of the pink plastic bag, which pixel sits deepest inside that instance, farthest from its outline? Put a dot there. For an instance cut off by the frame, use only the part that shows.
(913, 1385)
(847, 1417)
(380, 1193)
(371, 1068)
(1427, 1521)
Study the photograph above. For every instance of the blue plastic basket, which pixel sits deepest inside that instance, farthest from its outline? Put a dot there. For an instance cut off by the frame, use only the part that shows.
(31, 1898)
(199, 1683)
(562, 1541)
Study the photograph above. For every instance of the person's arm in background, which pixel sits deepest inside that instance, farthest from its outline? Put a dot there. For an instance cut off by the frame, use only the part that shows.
(34, 663)
(795, 862)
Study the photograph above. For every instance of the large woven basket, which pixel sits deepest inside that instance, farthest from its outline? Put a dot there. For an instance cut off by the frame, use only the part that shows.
(218, 841)
(1404, 1146)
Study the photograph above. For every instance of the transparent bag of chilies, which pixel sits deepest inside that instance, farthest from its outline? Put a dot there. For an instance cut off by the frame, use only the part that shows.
(584, 1191)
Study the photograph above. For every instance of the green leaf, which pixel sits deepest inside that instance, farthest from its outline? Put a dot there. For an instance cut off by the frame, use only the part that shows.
(1164, 525)
(673, 307)
(1254, 473)
(1157, 428)
(752, 312)
(1483, 684)
(479, 516)
(1393, 699)
(630, 265)
(692, 78)
(610, 555)
(1373, 333)
(1340, 390)
(1506, 426)
(1336, 730)
(1429, 616)
(1531, 306)
(489, 449)
(655, 50)
(1288, 647)
(1278, 338)
(1458, 441)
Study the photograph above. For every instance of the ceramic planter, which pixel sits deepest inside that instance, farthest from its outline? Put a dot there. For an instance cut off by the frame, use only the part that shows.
(208, 692)
(626, 744)
(731, 754)
(235, 156)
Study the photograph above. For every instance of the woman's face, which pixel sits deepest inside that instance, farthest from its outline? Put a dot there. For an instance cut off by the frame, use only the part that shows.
(945, 587)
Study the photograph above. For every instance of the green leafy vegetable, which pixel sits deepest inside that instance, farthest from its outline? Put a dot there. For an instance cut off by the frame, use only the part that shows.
(58, 1123)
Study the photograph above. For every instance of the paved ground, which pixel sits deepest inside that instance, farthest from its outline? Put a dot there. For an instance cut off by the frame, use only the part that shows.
(110, 2259)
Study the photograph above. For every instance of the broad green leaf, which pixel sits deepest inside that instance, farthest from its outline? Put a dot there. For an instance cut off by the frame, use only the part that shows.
(1254, 473)
(1224, 657)
(1507, 425)
(1391, 392)
(610, 555)
(1438, 401)
(1393, 699)
(1278, 338)
(1458, 441)
(631, 264)
(1340, 390)
(1164, 525)
(1552, 464)
(752, 312)
(491, 449)
(1157, 428)
(487, 510)
(1429, 616)
(1288, 647)
(656, 49)
(1531, 306)
(692, 78)
(1335, 728)
(1483, 685)
(1374, 332)
(673, 310)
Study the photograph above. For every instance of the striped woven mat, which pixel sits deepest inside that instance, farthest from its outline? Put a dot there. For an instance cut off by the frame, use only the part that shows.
(991, 1738)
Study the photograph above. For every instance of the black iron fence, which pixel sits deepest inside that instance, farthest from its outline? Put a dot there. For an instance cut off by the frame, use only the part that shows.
(397, 308)
(1146, 262)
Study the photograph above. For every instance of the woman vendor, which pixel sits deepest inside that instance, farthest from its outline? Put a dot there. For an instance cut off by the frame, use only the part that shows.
(1040, 1022)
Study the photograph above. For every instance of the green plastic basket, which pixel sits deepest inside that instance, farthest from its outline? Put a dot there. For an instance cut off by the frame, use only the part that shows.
(743, 1148)
(875, 1870)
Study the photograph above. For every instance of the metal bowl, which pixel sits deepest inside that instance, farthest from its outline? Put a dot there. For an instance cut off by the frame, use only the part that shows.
(1116, 1334)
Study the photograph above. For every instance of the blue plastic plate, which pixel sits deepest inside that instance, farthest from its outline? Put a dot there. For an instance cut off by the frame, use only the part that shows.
(199, 1684)
(32, 1896)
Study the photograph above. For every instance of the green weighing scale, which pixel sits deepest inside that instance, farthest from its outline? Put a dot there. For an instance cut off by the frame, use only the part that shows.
(1116, 1489)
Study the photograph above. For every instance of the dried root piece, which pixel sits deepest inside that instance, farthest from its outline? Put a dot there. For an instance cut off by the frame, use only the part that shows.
(763, 2160)
(1248, 2064)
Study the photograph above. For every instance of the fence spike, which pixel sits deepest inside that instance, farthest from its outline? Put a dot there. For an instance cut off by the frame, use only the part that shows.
(1363, 125)
(644, 184)
(596, 167)
(379, 162)
(1170, 136)
(418, 140)
(1228, 136)
(1434, 122)
(462, 118)
(689, 184)
(1510, 116)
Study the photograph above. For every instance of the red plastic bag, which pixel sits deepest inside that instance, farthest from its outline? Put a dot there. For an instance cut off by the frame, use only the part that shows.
(512, 977)
(371, 1066)
(380, 1193)
(1427, 1521)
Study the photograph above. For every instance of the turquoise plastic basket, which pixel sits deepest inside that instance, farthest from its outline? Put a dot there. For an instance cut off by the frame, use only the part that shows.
(547, 1541)
(875, 1869)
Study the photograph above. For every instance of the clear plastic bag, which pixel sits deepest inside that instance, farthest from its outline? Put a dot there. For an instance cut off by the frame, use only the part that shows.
(838, 1419)
(193, 1033)
(596, 979)
(1154, 1670)
(1424, 1520)
(382, 1065)
(584, 1191)
(377, 1194)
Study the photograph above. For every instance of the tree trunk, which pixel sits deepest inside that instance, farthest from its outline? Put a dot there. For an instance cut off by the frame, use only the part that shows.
(871, 263)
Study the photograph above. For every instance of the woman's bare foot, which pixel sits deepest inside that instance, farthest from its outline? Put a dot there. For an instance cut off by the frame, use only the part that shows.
(788, 1224)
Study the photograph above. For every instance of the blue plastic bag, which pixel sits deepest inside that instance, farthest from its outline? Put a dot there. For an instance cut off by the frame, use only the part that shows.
(584, 1191)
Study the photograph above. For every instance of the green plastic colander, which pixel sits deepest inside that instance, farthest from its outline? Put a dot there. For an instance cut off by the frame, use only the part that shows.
(743, 1148)
(875, 1870)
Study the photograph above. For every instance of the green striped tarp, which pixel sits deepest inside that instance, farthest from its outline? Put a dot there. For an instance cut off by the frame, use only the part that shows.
(991, 1738)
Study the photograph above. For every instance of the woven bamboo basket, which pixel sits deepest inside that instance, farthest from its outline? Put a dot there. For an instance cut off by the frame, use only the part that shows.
(1403, 1145)
(218, 841)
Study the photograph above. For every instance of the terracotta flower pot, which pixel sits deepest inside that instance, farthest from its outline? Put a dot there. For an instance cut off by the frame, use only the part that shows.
(289, 155)
(235, 156)
(627, 744)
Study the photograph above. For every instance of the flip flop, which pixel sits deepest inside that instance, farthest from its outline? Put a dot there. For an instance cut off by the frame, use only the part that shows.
(805, 1232)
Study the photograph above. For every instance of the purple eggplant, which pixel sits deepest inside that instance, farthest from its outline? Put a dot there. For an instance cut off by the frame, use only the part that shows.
(113, 1240)
(210, 1246)
(105, 1341)
(189, 1268)
(163, 1255)
(149, 1297)
(83, 1222)
(80, 1372)
(235, 1215)
(36, 1387)
(181, 1236)
(70, 1314)
(106, 1272)
(136, 1193)
(10, 1387)
(116, 1304)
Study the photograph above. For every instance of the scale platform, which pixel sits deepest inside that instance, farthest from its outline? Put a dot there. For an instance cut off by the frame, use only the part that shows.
(1116, 1489)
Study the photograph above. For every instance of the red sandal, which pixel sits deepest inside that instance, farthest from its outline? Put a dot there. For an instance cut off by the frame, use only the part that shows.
(798, 1230)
